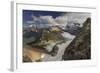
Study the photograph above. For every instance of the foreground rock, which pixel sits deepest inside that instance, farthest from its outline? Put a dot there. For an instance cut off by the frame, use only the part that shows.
(80, 47)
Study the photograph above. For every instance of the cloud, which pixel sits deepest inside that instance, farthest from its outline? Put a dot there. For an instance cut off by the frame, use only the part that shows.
(66, 19)
(74, 17)
(61, 20)
(48, 20)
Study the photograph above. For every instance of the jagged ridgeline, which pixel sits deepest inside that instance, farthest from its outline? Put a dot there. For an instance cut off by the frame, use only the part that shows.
(80, 47)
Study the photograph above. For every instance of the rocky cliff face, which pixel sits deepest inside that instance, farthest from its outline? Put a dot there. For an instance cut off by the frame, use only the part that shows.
(80, 47)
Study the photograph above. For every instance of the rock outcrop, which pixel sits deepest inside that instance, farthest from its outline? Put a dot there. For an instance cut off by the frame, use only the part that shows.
(80, 47)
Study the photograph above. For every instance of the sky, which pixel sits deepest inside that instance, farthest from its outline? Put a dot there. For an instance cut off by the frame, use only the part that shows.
(27, 14)
(52, 18)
